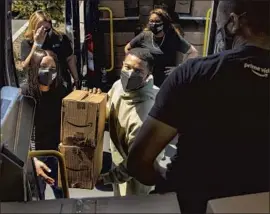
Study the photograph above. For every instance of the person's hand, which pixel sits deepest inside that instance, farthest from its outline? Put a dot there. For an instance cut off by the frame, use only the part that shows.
(77, 84)
(95, 91)
(100, 181)
(40, 168)
(40, 35)
(168, 70)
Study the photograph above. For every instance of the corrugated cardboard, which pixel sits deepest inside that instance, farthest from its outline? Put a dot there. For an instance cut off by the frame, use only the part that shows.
(83, 164)
(200, 8)
(145, 9)
(83, 118)
(118, 60)
(250, 203)
(194, 38)
(182, 6)
(117, 7)
(146, 2)
(121, 39)
(82, 131)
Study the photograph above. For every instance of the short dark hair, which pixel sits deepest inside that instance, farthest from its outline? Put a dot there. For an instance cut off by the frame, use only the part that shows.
(257, 13)
(145, 55)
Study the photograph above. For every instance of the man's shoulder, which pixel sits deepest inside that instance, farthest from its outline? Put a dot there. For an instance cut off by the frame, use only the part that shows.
(116, 88)
(205, 67)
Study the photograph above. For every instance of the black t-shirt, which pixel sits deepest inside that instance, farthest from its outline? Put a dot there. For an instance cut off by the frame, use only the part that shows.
(47, 123)
(60, 45)
(220, 107)
(163, 50)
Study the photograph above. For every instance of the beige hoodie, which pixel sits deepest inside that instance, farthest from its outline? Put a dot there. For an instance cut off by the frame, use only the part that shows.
(127, 111)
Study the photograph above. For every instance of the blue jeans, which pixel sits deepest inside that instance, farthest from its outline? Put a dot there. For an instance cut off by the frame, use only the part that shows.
(52, 163)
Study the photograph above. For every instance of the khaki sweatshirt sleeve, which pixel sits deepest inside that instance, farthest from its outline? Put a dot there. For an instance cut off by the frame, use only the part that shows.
(119, 174)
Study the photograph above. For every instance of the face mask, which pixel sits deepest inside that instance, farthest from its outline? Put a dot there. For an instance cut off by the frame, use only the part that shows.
(46, 76)
(156, 27)
(49, 31)
(131, 80)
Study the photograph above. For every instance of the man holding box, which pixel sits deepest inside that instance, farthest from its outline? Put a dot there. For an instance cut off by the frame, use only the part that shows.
(129, 103)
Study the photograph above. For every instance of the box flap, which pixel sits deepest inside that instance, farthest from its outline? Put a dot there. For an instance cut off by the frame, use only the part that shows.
(96, 98)
(77, 95)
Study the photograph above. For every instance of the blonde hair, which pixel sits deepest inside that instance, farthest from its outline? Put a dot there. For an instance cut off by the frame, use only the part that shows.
(167, 20)
(34, 20)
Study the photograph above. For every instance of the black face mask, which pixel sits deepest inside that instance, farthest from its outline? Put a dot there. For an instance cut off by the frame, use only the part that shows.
(156, 27)
(131, 80)
(48, 36)
(46, 76)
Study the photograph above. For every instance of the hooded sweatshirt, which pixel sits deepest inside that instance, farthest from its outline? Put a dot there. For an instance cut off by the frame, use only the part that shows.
(127, 112)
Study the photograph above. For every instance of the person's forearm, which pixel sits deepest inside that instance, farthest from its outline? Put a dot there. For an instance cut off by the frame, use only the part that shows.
(192, 53)
(26, 62)
(149, 175)
(72, 64)
(127, 48)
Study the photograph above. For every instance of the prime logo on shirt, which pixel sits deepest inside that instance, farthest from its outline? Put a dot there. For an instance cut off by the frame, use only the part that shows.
(259, 71)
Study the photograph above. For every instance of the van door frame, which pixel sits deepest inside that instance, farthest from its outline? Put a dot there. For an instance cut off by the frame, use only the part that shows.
(8, 69)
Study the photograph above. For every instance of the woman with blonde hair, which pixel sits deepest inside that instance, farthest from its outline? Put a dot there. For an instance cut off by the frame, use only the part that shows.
(163, 40)
(44, 83)
(40, 34)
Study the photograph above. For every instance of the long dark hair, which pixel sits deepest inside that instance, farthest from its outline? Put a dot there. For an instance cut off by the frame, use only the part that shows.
(167, 20)
(32, 80)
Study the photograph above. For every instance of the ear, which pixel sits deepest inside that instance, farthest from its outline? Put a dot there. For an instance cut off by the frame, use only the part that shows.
(235, 23)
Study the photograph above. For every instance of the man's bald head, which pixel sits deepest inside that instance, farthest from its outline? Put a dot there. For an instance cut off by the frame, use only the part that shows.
(255, 14)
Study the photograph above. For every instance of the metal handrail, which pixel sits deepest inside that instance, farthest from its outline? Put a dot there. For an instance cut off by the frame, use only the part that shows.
(111, 36)
(62, 166)
(206, 32)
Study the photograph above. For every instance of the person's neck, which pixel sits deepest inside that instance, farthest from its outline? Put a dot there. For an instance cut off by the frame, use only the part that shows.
(160, 34)
(44, 88)
(260, 42)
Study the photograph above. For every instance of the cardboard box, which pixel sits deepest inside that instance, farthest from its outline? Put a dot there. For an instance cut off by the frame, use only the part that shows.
(131, 3)
(182, 6)
(118, 60)
(145, 10)
(117, 7)
(200, 8)
(146, 2)
(194, 38)
(83, 118)
(120, 41)
(144, 20)
(83, 165)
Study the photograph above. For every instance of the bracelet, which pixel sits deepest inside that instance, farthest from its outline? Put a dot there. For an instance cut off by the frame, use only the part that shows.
(37, 44)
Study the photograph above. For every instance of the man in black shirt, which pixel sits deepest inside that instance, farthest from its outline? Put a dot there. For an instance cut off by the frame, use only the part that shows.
(219, 107)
